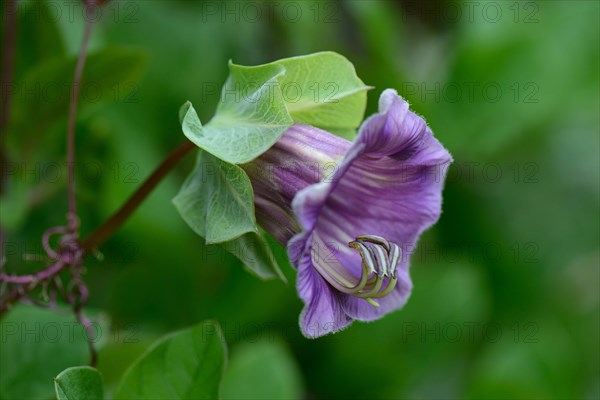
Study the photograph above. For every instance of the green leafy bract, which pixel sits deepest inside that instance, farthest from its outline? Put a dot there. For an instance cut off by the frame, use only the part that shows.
(216, 200)
(250, 117)
(323, 90)
(257, 105)
(252, 249)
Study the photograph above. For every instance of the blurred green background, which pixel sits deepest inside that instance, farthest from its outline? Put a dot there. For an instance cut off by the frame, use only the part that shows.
(506, 285)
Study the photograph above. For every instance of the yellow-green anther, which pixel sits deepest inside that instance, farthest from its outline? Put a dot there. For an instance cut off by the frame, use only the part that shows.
(395, 256)
(365, 255)
(376, 240)
(382, 259)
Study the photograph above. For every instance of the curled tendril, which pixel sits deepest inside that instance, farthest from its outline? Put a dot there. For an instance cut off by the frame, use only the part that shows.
(45, 287)
(68, 255)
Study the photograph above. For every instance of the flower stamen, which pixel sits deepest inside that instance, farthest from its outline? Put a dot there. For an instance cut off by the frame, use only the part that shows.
(334, 273)
(379, 262)
(382, 258)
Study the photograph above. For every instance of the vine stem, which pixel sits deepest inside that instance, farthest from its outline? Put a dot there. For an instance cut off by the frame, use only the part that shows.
(70, 251)
(8, 62)
(73, 102)
(108, 228)
(28, 279)
(8, 56)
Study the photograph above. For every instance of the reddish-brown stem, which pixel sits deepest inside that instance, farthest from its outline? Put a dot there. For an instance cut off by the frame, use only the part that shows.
(107, 229)
(97, 237)
(8, 53)
(70, 251)
(74, 101)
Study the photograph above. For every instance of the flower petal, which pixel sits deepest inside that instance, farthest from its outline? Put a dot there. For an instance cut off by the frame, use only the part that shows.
(389, 184)
(323, 313)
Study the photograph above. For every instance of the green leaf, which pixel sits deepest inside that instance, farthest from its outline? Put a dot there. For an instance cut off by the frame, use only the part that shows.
(216, 200)
(39, 37)
(37, 344)
(79, 383)
(265, 370)
(252, 249)
(184, 365)
(323, 90)
(250, 117)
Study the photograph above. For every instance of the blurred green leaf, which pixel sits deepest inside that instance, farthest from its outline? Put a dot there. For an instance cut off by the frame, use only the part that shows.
(42, 36)
(37, 344)
(265, 370)
(183, 365)
(446, 58)
(79, 383)
(499, 73)
(109, 75)
(118, 355)
(13, 207)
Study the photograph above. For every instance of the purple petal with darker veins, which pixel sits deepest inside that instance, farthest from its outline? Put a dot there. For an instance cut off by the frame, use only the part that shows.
(389, 184)
(323, 313)
(298, 159)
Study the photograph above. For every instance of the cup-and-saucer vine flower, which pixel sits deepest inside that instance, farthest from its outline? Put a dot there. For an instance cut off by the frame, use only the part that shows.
(350, 213)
